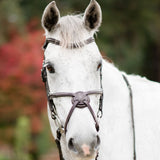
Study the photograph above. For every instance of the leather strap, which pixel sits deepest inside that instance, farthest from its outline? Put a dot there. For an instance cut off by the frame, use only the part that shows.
(70, 45)
(132, 115)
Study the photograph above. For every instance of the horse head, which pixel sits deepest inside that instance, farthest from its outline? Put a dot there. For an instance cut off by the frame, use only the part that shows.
(73, 66)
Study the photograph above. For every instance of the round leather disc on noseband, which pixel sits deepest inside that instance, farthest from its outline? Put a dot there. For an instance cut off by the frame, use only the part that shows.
(81, 98)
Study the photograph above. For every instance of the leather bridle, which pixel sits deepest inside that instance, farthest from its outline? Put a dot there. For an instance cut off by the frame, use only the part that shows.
(70, 45)
(79, 99)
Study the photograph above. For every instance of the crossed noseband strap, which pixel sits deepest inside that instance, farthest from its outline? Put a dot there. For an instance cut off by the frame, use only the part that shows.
(79, 100)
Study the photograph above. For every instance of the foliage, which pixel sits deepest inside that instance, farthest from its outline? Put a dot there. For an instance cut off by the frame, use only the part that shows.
(3, 157)
(44, 139)
(128, 29)
(22, 92)
(35, 7)
(22, 139)
(11, 19)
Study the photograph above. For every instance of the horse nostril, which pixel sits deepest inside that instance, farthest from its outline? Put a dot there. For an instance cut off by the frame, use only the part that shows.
(71, 145)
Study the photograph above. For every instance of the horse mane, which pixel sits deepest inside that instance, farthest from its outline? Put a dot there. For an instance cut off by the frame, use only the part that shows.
(71, 29)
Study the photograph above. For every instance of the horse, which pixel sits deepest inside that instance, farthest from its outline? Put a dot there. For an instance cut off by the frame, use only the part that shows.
(95, 111)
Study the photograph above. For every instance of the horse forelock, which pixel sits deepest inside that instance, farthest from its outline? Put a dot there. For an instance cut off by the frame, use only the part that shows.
(71, 29)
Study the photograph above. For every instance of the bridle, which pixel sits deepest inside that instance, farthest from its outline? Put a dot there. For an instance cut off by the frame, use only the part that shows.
(79, 99)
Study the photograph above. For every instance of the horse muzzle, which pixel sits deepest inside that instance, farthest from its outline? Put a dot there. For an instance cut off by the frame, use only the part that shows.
(89, 149)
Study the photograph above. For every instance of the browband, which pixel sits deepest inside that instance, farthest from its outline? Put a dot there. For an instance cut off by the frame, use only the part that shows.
(70, 45)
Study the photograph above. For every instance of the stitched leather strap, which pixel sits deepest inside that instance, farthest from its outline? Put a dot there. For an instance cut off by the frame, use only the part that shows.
(132, 115)
(70, 45)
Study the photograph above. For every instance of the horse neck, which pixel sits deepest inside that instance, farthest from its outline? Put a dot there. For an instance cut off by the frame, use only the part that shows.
(114, 85)
(115, 126)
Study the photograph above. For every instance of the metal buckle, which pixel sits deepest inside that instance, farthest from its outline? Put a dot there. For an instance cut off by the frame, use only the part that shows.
(99, 114)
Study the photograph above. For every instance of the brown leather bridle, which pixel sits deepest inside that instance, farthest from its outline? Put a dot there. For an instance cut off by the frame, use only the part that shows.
(79, 99)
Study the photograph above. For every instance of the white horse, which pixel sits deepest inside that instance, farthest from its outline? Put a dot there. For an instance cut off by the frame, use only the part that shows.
(73, 63)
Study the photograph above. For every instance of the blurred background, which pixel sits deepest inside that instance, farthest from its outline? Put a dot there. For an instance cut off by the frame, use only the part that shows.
(129, 35)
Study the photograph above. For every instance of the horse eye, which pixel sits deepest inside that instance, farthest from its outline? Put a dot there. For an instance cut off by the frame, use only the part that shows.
(50, 68)
(99, 66)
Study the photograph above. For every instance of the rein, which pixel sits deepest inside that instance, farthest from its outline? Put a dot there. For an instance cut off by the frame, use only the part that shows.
(132, 115)
(79, 99)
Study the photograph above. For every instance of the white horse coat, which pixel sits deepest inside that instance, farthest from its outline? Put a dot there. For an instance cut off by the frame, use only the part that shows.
(71, 66)
(117, 133)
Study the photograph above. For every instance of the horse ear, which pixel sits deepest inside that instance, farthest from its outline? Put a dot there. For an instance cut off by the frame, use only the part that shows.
(93, 15)
(50, 16)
